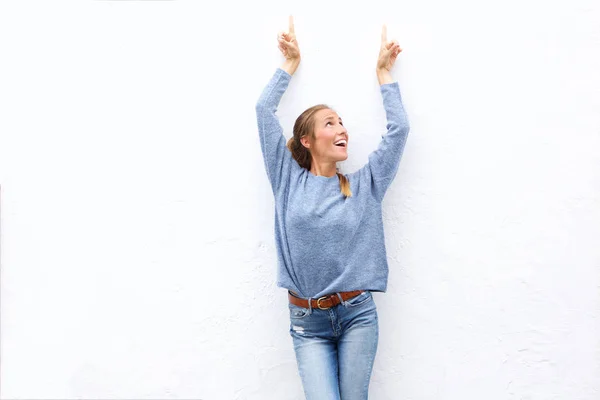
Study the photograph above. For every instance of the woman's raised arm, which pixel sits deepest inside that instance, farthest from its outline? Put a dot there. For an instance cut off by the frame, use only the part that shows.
(277, 158)
(384, 161)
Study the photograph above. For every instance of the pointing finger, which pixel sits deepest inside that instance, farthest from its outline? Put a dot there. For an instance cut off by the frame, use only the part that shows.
(291, 23)
(384, 34)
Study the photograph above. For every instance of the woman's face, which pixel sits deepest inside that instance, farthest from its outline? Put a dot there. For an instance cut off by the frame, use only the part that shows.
(329, 130)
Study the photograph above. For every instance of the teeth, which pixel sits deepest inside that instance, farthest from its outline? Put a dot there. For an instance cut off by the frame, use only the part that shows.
(340, 141)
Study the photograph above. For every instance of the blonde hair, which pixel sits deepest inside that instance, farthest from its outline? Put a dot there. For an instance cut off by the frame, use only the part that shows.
(305, 125)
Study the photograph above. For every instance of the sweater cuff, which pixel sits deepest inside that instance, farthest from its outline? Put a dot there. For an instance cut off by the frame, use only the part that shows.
(283, 72)
(391, 84)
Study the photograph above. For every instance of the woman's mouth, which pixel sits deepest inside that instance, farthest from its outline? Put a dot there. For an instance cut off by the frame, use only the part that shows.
(341, 143)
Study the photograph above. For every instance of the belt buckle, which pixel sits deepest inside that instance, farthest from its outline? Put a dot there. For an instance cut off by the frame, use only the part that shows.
(319, 303)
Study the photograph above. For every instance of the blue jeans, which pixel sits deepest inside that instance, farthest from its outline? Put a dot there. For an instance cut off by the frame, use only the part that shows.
(335, 348)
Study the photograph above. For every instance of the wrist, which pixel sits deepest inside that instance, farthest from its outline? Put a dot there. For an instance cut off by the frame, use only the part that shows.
(383, 76)
(290, 65)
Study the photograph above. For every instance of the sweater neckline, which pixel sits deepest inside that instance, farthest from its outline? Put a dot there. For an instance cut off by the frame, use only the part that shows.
(321, 176)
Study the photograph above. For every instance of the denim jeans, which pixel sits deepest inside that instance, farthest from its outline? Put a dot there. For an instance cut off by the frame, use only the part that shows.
(335, 348)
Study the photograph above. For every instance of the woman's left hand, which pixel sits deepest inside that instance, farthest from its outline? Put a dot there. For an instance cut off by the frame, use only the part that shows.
(388, 52)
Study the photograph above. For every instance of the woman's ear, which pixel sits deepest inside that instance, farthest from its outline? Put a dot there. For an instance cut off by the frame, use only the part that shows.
(305, 141)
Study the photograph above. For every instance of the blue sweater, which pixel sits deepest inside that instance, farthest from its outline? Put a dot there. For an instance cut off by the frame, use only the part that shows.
(325, 242)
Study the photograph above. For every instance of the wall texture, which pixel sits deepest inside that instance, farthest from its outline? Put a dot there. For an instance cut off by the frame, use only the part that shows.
(138, 258)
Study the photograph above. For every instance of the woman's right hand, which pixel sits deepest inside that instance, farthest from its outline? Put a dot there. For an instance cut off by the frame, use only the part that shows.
(388, 52)
(288, 45)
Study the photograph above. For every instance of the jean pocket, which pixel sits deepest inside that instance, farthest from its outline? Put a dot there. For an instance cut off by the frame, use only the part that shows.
(360, 299)
(297, 312)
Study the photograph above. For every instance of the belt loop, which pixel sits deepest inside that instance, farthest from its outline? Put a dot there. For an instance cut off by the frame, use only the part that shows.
(341, 300)
(309, 305)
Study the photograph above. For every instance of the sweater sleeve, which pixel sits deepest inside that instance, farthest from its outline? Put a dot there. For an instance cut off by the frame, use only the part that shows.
(277, 158)
(383, 162)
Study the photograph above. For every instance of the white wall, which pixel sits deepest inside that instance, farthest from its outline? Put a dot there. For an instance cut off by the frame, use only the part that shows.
(138, 257)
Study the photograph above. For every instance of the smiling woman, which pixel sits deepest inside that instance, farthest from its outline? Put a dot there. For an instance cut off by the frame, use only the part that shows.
(327, 128)
(313, 146)
(329, 229)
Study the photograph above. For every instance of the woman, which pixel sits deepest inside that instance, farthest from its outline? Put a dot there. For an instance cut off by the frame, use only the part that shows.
(329, 228)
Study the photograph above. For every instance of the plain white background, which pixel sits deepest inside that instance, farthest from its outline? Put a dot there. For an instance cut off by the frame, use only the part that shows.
(138, 257)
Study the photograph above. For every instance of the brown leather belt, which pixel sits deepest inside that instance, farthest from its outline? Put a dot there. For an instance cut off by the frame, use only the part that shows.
(324, 302)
